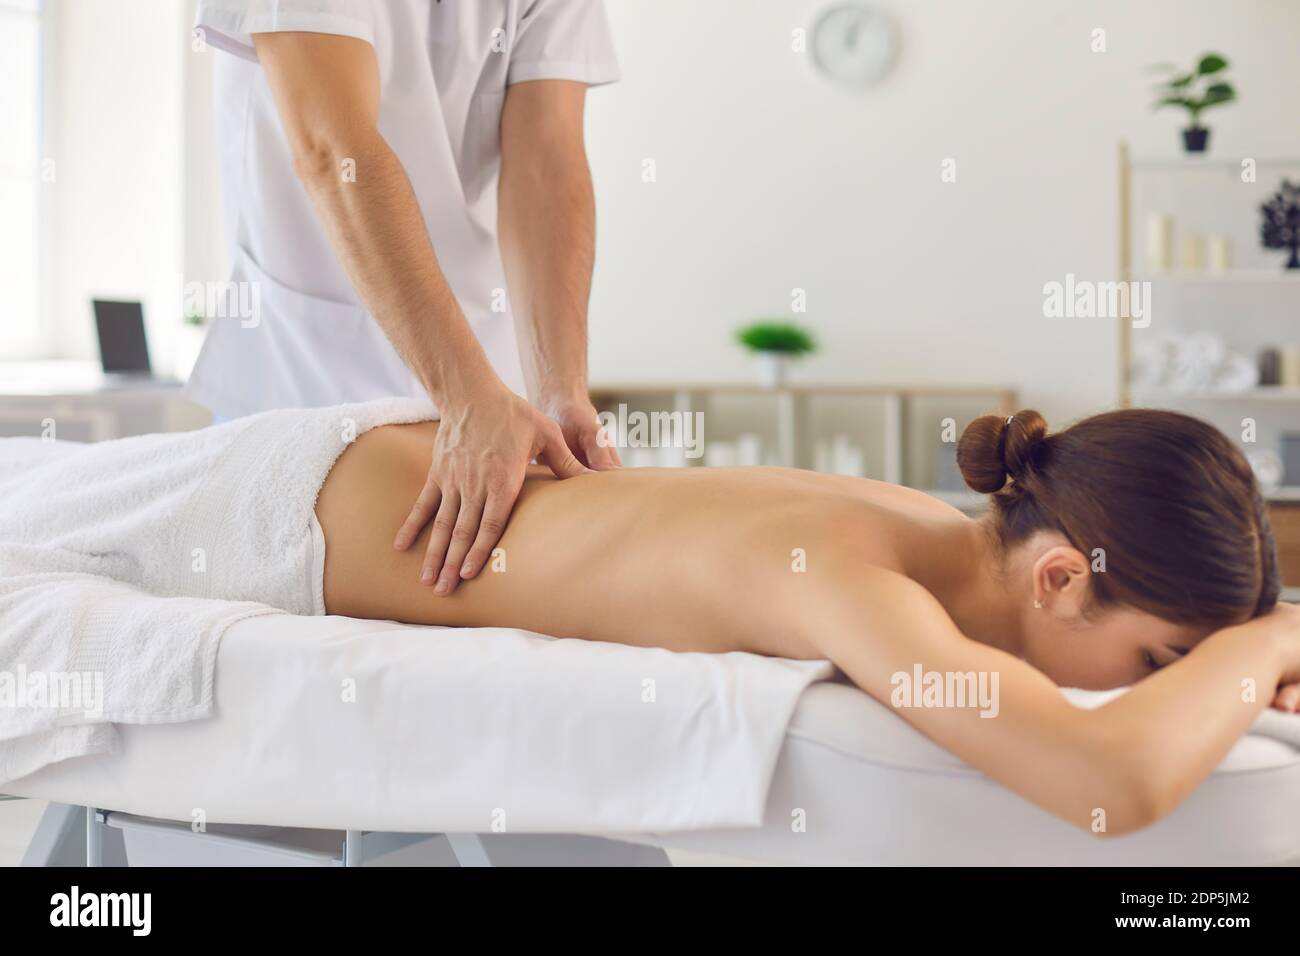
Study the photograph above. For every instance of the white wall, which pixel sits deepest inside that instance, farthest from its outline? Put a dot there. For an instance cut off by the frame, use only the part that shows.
(205, 254)
(769, 178)
(118, 138)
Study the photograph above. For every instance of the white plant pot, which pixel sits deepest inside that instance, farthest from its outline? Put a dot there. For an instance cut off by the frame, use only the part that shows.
(188, 344)
(772, 369)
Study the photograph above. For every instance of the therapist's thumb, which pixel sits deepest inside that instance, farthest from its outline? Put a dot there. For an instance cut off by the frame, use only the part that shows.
(559, 458)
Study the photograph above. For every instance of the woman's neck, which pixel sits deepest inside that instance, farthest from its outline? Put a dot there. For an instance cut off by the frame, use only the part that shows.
(965, 571)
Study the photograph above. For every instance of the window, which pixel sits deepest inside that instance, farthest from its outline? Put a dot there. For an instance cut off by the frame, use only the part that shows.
(21, 170)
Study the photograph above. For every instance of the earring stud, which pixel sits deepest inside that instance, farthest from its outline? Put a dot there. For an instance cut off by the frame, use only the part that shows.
(1038, 604)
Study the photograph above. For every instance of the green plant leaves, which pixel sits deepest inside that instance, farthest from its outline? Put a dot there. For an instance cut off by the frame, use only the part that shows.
(776, 337)
(1217, 95)
(1211, 63)
(1183, 89)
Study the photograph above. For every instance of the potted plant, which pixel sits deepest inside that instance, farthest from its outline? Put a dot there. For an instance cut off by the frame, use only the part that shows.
(775, 344)
(189, 342)
(1281, 226)
(1196, 92)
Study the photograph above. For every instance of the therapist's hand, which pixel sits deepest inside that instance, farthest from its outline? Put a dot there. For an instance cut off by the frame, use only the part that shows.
(582, 432)
(479, 458)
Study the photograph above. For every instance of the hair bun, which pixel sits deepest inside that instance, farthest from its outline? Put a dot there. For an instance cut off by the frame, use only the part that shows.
(993, 448)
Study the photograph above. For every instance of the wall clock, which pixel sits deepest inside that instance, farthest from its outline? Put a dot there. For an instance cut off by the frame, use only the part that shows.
(854, 44)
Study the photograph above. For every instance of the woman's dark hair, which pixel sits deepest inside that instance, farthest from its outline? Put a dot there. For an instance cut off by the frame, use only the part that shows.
(1171, 502)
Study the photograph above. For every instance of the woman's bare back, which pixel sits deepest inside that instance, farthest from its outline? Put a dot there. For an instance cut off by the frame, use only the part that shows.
(686, 559)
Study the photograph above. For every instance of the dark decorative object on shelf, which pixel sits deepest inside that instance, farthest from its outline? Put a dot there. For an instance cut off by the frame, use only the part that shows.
(1281, 226)
(1195, 93)
(1290, 449)
(1195, 138)
(1270, 367)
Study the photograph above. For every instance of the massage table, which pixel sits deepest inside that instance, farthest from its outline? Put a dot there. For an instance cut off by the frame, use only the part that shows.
(283, 778)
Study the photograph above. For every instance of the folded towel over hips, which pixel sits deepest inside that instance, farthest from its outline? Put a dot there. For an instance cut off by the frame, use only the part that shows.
(123, 562)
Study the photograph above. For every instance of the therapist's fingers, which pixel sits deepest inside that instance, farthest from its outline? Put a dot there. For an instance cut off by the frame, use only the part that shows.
(426, 505)
(490, 528)
(462, 536)
(443, 525)
(599, 450)
(555, 453)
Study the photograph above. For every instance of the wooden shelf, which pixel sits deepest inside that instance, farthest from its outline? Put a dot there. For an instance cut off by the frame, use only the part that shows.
(1261, 393)
(1130, 270)
(1003, 395)
(1283, 503)
(1262, 276)
(1186, 162)
(787, 418)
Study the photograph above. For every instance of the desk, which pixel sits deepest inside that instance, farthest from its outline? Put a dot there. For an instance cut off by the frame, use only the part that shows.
(75, 400)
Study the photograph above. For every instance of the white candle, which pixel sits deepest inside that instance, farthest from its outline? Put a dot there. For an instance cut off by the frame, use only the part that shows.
(1160, 241)
(1290, 365)
(1220, 254)
(749, 449)
(720, 454)
(1192, 258)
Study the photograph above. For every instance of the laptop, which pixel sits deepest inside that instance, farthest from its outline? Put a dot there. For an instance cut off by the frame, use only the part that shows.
(123, 348)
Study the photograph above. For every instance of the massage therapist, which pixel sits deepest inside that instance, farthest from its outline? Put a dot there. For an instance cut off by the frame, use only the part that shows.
(369, 150)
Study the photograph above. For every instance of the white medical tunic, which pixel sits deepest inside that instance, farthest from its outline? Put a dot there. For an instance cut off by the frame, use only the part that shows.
(295, 333)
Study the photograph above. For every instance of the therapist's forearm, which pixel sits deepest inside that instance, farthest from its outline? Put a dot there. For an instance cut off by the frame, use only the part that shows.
(547, 220)
(375, 227)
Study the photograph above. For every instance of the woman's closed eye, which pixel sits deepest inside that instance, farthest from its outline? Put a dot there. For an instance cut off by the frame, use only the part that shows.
(1153, 664)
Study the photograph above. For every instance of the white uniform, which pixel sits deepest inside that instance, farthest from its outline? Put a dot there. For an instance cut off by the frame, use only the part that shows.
(444, 66)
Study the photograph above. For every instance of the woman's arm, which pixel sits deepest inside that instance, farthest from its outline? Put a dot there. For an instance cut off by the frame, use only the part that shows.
(1111, 770)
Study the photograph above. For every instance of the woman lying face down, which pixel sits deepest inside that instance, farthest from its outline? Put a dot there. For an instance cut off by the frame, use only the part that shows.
(1140, 532)
(1130, 542)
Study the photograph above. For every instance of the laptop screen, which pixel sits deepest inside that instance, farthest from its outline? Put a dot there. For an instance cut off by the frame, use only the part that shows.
(122, 345)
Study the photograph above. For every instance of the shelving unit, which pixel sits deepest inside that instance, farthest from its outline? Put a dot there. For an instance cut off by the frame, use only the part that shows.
(1276, 406)
(890, 422)
(1230, 276)
(1261, 393)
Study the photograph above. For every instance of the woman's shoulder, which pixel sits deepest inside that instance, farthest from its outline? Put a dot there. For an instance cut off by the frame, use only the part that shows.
(872, 491)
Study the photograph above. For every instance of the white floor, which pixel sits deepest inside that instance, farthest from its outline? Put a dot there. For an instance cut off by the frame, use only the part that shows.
(18, 819)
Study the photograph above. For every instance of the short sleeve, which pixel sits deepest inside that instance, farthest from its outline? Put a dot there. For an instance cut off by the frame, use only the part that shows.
(229, 24)
(563, 40)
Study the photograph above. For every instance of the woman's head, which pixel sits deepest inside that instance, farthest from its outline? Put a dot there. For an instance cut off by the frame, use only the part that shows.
(1143, 527)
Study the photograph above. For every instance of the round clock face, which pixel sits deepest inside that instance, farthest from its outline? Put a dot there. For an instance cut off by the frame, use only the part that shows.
(854, 44)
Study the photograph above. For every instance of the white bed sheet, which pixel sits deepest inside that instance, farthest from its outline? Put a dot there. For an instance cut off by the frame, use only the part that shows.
(338, 723)
(869, 789)
(853, 782)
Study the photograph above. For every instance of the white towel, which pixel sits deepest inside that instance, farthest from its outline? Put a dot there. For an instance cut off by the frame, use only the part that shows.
(1279, 726)
(1270, 723)
(123, 562)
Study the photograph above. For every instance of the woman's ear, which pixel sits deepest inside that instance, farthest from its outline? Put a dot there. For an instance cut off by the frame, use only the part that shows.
(1061, 579)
